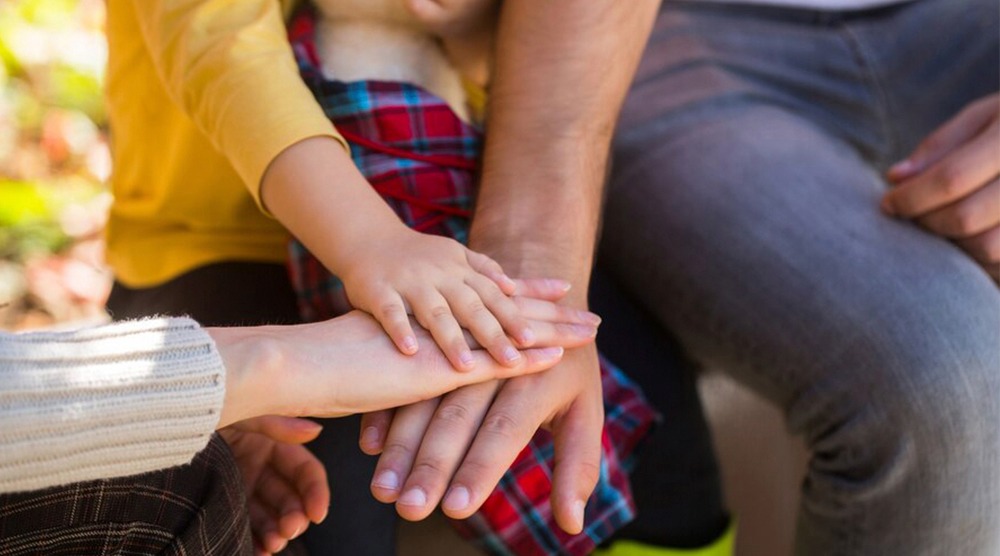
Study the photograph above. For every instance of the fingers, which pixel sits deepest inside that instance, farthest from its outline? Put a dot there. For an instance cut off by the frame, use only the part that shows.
(957, 131)
(542, 288)
(391, 313)
(307, 477)
(504, 308)
(577, 462)
(505, 431)
(264, 527)
(492, 270)
(473, 313)
(985, 249)
(290, 430)
(448, 435)
(374, 427)
(542, 310)
(433, 313)
(957, 175)
(969, 216)
(401, 444)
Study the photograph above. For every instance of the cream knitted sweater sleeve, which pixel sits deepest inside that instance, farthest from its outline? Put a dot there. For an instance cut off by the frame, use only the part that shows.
(107, 401)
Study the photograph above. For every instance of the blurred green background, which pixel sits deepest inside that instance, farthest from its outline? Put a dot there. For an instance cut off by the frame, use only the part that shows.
(54, 162)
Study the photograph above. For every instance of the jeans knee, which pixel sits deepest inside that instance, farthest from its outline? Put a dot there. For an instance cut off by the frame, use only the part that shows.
(925, 413)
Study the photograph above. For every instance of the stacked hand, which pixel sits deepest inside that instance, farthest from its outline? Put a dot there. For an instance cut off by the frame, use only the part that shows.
(950, 185)
(339, 367)
(457, 447)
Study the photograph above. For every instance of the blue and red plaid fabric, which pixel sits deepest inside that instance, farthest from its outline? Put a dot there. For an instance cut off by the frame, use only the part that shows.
(422, 159)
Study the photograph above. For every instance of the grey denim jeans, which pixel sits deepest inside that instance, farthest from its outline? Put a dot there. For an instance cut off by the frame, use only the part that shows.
(743, 210)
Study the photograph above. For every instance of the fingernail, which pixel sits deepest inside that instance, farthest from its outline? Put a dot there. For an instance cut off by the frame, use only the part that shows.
(410, 343)
(456, 499)
(901, 167)
(560, 285)
(369, 437)
(281, 546)
(551, 352)
(322, 518)
(578, 508)
(590, 317)
(528, 336)
(510, 354)
(387, 479)
(298, 531)
(466, 358)
(584, 330)
(414, 497)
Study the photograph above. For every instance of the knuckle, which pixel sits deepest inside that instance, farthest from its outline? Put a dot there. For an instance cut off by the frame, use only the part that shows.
(395, 451)
(962, 220)
(991, 250)
(589, 472)
(453, 413)
(476, 307)
(391, 309)
(428, 467)
(501, 424)
(951, 178)
(439, 312)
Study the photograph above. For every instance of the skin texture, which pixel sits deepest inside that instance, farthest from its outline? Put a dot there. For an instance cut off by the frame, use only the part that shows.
(389, 270)
(550, 124)
(335, 368)
(950, 185)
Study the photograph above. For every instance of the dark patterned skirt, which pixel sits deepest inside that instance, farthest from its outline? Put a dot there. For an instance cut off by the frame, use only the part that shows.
(194, 509)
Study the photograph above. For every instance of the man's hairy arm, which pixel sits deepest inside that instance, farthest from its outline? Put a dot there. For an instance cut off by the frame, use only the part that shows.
(563, 68)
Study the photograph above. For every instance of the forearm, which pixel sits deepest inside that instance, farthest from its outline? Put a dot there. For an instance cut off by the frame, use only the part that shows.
(563, 69)
(104, 402)
(314, 189)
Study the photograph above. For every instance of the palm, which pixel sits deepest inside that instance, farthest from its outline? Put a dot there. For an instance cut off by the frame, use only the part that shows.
(285, 484)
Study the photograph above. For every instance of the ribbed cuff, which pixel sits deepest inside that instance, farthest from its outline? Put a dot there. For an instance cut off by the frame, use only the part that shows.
(105, 402)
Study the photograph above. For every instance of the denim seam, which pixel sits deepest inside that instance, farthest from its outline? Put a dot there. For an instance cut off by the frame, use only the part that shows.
(862, 56)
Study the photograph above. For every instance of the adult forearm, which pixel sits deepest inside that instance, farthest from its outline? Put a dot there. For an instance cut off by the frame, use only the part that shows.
(563, 68)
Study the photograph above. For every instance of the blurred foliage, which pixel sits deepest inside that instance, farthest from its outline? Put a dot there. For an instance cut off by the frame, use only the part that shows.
(54, 157)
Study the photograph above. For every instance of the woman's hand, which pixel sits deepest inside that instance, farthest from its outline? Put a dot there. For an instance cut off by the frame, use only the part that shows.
(950, 185)
(348, 364)
(285, 484)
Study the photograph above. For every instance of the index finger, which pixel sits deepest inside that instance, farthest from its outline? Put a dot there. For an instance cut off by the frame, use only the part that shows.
(955, 176)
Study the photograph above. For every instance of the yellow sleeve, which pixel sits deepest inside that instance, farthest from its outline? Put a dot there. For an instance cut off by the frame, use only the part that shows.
(230, 68)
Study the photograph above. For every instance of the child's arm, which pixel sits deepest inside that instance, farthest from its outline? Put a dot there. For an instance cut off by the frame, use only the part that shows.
(389, 270)
(230, 67)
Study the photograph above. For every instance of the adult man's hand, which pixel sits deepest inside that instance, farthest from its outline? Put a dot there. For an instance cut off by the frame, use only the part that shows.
(950, 185)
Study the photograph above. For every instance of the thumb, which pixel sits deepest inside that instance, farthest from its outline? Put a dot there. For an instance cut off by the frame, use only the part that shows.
(289, 430)
(577, 464)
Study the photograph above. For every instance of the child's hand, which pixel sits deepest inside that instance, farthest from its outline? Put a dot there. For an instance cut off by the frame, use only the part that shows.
(446, 287)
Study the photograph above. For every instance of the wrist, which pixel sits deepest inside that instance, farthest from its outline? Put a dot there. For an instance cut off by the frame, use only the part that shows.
(250, 360)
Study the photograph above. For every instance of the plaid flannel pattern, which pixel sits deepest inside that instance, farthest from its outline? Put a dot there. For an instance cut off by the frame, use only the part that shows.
(199, 508)
(422, 159)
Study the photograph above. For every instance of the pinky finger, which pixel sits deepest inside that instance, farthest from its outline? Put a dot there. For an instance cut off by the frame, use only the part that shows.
(374, 428)
(492, 270)
(391, 314)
